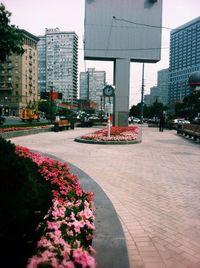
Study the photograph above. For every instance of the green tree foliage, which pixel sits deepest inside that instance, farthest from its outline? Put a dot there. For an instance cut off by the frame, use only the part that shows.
(11, 40)
(47, 107)
(190, 106)
(154, 110)
(135, 110)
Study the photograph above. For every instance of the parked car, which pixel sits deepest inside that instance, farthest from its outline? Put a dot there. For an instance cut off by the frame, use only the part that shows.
(196, 120)
(93, 117)
(136, 120)
(133, 120)
(175, 123)
(181, 121)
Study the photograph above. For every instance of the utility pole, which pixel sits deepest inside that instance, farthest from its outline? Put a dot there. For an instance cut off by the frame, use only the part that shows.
(142, 94)
(51, 105)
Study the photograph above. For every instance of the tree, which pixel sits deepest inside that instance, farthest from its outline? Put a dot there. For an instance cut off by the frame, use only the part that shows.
(11, 40)
(190, 107)
(135, 110)
(155, 110)
(44, 106)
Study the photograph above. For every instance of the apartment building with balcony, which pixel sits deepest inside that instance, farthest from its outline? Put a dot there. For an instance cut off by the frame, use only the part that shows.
(18, 78)
(58, 63)
(184, 58)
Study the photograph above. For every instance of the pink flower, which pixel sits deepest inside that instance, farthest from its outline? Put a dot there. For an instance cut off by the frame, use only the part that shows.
(66, 218)
(67, 264)
(116, 134)
(81, 257)
(78, 225)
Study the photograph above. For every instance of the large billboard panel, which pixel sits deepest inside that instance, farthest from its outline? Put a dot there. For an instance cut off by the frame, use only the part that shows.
(123, 29)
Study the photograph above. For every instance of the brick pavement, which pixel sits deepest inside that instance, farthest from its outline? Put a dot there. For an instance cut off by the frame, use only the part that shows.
(154, 187)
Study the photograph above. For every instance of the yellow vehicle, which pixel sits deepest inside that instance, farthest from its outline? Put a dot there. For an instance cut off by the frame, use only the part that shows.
(27, 114)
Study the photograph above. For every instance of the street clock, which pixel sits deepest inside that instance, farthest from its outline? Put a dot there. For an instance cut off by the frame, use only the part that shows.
(108, 91)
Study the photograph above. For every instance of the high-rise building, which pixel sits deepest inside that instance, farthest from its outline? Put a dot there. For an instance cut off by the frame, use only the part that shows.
(18, 78)
(162, 84)
(41, 47)
(58, 63)
(154, 95)
(184, 58)
(84, 86)
(91, 85)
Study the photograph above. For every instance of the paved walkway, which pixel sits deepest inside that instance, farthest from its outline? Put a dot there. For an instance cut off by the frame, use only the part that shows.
(154, 187)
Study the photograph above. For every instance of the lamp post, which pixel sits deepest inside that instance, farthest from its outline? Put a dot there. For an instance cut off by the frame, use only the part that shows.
(142, 94)
(101, 107)
(108, 91)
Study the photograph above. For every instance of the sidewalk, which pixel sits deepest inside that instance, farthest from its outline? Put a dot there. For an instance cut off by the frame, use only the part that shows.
(154, 187)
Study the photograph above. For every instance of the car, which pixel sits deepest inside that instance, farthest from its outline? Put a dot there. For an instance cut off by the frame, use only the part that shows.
(133, 120)
(181, 121)
(136, 120)
(196, 120)
(175, 123)
(93, 117)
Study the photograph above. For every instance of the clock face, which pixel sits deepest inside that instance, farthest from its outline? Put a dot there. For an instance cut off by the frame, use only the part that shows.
(108, 91)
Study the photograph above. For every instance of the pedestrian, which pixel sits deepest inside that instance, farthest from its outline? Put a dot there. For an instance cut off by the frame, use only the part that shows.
(161, 123)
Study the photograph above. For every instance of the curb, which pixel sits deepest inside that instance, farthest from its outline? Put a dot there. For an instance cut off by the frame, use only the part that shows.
(109, 240)
(18, 133)
(138, 140)
(106, 142)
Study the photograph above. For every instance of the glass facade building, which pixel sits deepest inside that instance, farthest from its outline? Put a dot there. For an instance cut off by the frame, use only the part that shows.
(184, 58)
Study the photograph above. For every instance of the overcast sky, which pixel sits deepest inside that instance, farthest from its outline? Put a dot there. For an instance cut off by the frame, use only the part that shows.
(68, 15)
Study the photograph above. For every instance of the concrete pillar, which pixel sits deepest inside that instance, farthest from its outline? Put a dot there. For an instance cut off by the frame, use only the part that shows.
(122, 82)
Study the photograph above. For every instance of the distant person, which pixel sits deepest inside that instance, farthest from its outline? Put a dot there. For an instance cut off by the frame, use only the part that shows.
(161, 123)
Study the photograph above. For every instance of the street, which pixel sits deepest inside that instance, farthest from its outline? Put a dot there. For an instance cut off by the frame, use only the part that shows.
(14, 120)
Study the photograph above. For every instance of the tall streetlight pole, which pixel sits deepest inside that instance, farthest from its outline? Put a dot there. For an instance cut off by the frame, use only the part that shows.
(142, 94)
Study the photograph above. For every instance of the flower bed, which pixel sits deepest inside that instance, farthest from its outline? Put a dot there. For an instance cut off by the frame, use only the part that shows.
(67, 229)
(116, 134)
(10, 129)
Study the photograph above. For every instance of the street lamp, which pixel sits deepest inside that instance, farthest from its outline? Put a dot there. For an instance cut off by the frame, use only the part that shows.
(142, 95)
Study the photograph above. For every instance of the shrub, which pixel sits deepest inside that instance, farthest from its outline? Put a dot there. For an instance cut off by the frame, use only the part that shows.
(25, 198)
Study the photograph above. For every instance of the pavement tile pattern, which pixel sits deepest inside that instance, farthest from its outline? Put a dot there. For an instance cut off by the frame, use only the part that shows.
(153, 185)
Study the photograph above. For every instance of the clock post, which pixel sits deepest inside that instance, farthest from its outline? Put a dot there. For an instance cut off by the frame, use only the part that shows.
(108, 91)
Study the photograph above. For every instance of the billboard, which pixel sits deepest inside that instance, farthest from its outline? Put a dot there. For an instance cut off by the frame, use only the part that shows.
(123, 29)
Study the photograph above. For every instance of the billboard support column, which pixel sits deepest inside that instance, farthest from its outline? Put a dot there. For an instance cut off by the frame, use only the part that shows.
(122, 82)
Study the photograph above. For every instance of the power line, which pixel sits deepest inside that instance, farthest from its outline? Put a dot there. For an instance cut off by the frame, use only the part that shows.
(108, 41)
(128, 21)
(142, 24)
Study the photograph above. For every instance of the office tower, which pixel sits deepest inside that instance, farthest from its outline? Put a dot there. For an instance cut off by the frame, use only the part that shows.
(58, 63)
(184, 58)
(41, 47)
(162, 84)
(154, 95)
(84, 88)
(18, 78)
(91, 85)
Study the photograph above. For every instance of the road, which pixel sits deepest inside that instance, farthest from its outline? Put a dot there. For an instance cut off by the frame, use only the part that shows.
(14, 120)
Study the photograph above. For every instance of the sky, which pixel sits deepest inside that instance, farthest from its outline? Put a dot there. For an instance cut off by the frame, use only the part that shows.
(68, 15)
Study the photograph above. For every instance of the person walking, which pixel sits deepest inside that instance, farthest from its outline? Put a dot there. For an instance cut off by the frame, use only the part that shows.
(161, 123)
